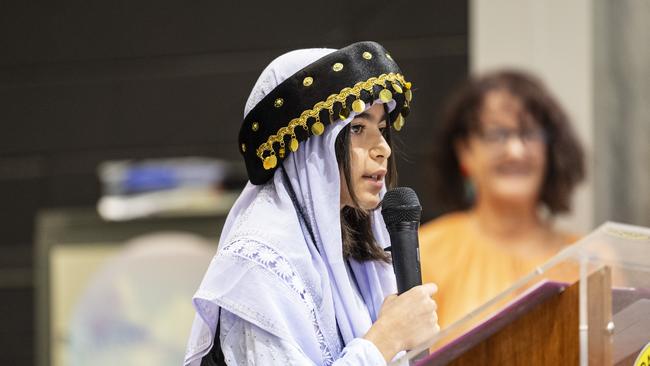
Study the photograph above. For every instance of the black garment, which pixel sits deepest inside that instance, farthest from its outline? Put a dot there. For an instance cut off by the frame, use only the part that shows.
(215, 356)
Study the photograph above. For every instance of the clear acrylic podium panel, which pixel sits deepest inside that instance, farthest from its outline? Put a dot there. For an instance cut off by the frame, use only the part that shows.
(621, 250)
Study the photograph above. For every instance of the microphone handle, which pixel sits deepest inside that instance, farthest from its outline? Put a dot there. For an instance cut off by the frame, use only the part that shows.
(406, 254)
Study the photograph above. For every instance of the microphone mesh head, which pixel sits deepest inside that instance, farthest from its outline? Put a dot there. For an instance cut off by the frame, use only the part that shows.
(400, 204)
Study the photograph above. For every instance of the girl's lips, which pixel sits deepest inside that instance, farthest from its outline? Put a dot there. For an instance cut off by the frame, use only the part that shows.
(376, 175)
(373, 176)
(374, 181)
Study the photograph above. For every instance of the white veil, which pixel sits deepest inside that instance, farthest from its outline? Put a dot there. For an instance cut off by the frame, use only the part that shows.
(267, 269)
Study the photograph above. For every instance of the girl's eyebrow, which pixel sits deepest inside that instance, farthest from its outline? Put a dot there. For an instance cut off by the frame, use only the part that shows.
(368, 117)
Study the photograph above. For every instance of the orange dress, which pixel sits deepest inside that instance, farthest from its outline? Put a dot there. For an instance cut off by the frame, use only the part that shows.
(468, 269)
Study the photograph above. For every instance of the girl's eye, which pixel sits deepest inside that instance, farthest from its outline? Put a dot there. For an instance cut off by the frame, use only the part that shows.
(356, 129)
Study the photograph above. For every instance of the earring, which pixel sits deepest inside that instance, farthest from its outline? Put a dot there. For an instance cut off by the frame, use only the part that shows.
(469, 191)
(463, 170)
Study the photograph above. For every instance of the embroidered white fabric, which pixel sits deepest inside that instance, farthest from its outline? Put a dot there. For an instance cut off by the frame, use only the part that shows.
(247, 344)
(252, 251)
(279, 286)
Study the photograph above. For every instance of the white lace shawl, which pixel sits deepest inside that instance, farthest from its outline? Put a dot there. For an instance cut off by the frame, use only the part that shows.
(268, 272)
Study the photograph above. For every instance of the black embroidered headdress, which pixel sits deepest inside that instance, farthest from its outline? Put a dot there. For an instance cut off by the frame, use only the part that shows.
(322, 92)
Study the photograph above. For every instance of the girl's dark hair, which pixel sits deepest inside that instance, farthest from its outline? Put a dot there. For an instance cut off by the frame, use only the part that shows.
(356, 226)
(565, 158)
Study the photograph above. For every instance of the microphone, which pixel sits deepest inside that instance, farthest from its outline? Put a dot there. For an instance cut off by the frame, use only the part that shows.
(401, 211)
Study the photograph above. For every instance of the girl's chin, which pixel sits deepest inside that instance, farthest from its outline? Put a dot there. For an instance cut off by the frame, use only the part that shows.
(369, 203)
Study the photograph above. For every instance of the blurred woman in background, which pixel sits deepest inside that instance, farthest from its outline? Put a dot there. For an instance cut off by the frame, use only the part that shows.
(507, 161)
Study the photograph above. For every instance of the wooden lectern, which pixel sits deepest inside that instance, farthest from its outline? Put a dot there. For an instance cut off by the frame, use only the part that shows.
(601, 317)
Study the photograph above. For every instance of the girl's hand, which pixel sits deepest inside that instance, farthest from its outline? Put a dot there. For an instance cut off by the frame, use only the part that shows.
(405, 321)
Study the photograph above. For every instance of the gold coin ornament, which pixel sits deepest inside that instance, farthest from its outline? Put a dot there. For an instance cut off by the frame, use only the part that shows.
(344, 113)
(367, 55)
(399, 123)
(278, 102)
(408, 95)
(358, 106)
(385, 95)
(293, 145)
(397, 88)
(308, 81)
(317, 128)
(337, 67)
(270, 162)
(243, 147)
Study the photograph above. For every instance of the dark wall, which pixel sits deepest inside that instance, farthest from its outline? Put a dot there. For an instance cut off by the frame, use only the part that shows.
(86, 81)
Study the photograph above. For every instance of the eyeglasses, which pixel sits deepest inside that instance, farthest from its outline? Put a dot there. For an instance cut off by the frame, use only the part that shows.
(501, 136)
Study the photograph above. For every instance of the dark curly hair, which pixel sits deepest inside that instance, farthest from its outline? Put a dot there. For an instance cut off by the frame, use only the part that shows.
(564, 155)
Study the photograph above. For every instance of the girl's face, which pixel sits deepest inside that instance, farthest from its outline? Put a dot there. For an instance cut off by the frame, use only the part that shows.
(506, 158)
(368, 156)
